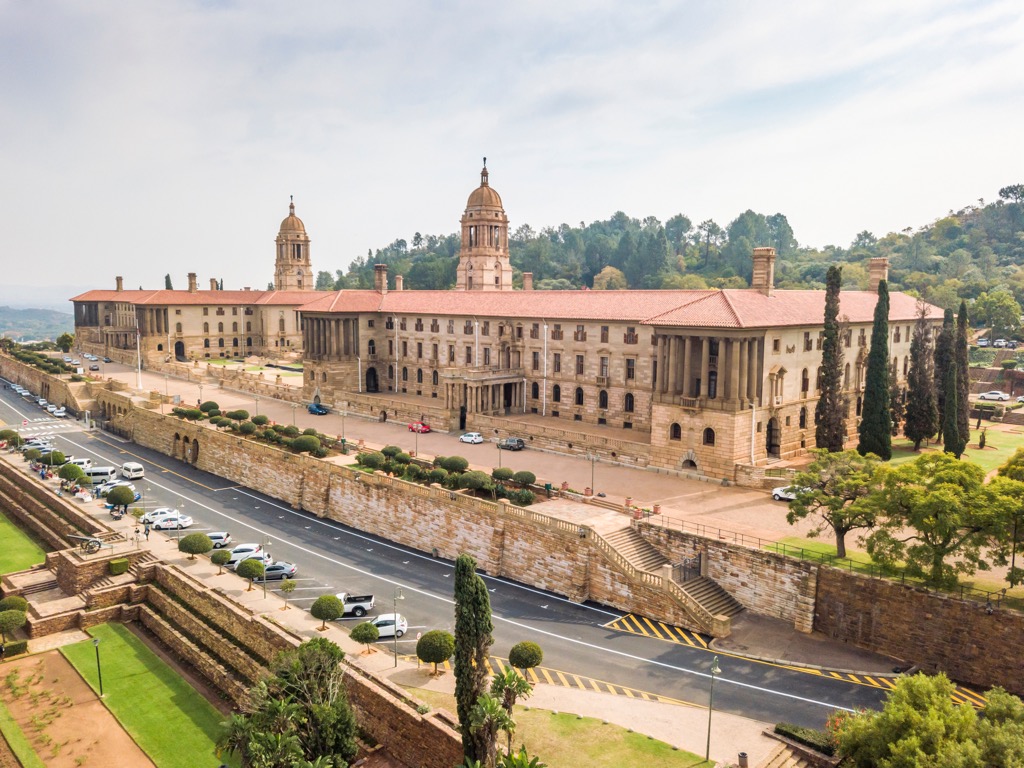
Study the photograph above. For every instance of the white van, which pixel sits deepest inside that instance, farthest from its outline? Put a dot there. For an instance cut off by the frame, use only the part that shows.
(100, 475)
(132, 470)
(82, 464)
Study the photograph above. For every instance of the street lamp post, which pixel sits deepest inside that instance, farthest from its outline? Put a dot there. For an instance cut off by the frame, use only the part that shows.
(398, 596)
(344, 408)
(294, 408)
(257, 405)
(711, 704)
(497, 444)
(416, 449)
(177, 528)
(200, 393)
(99, 669)
(593, 461)
(266, 548)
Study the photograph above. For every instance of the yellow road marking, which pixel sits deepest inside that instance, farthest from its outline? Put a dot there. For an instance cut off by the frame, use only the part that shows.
(873, 681)
(654, 629)
(547, 676)
(579, 683)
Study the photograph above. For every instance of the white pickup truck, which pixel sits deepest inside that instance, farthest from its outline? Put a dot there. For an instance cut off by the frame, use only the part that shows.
(357, 605)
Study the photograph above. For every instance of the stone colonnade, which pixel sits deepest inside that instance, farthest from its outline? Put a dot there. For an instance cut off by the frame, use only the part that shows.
(687, 368)
(482, 397)
(330, 337)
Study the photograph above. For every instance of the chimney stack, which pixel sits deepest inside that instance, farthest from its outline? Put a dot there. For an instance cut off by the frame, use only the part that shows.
(527, 281)
(399, 283)
(878, 270)
(120, 283)
(191, 282)
(764, 271)
(213, 283)
(380, 278)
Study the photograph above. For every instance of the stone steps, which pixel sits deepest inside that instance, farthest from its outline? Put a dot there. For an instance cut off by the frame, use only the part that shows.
(712, 597)
(784, 757)
(632, 546)
(38, 587)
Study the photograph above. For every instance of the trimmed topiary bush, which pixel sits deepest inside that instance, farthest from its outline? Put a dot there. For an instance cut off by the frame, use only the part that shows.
(291, 431)
(475, 480)
(455, 464)
(14, 603)
(437, 475)
(319, 453)
(305, 443)
(247, 428)
(502, 474)
(193, 414)
(525, 655)
(371, 460)
(327, 608)
(435, 647)
(16, 647)
(53, 458)
(439, 461)
(118, 566)
(524, 477)
(260, 420)
(271, 436)
(391, 451)
(239, 415)
(809, 737)
(220, 558)
(310, 431)
(208, 406)
(414, 472)
(402, 458)
(522, 497)
(365, 633)
(251, 569)
(195, 544)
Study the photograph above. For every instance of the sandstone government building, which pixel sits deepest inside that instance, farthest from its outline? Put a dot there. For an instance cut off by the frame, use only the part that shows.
(703, 381)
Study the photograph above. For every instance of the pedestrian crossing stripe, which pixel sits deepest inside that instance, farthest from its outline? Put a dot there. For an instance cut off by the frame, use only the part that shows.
(641, 625)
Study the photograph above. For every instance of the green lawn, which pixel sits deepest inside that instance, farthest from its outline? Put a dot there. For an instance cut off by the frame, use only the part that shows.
(166, 716)
(18, 741)
(999, 446)
(563, 741)
(19, 551)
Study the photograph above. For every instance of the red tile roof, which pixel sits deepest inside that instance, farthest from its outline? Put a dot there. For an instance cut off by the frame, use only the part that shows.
(208, 298)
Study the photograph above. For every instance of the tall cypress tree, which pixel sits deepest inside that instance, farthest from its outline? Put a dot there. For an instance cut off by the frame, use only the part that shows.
(950, 433)
(963, 381)
(875, 428)
(830, 412)
(473, 638)
(922, 418)
(943, 360)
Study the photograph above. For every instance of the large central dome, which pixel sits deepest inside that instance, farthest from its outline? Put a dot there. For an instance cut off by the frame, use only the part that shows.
(293, 223)
(484, 196)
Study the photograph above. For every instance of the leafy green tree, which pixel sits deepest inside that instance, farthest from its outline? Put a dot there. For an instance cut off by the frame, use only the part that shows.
(365, 633)
(121, 496)
(221, 557)
(65, 342)
(963, 376)
(999, 310)
(53, 458)
(327, 608)
(508, 687)
(435, 647)
(944, 359)
(473, 640)
(195, 544)
(876, 424)
(897, 401)
(922, 416)
(324, 281)
(525, 655)
(937, 515)
(455, 464)
(610, 279)
(71, 473)
(832, 490)
(830, 412)
(253, 569)
(287, 587)
(1014, 193)
(11, 620)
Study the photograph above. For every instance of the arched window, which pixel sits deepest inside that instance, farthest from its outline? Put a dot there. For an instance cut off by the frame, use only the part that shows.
(906, 365)
(206, 327)
(628, 403)
(556, 394)
(419, 375)
(805, 381)
(434, 378)
(602, 399)
(220, 343)
(371, 347)
(280, 325)
(159, 347)
(220, 327)
(535, 390)
(234, 342)
(860, 404)
(803, 418)
(248, 341)
(675, 432)
(206, 343)
(177, 327)
(405, 374)
(579, 395)
(817, 382)
(709, 436)
(391, 371)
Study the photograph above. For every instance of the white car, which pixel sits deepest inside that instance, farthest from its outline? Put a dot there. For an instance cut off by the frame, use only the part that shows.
(172, 521)
(994, 394)
(60, 413)
(51, 408)
(786, 492)
(265, 557)
(154, 514)
(982, 342)
(999, 343)
(390, 625)
(471, 437)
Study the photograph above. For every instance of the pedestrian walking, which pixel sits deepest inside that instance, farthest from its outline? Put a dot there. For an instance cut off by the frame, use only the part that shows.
(146, 531)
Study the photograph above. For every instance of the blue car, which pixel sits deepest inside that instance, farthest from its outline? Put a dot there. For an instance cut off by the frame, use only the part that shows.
(317, 410)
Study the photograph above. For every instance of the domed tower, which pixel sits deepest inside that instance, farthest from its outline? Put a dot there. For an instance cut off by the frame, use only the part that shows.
(483, 258)
(292, 269)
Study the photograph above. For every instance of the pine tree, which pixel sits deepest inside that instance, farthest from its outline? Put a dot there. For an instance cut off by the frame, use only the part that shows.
(922, 417)
(830, 412)
(167, 282)
(875, 428)
(963, 381)
(943, 360)
(473, 629)
(950, 433)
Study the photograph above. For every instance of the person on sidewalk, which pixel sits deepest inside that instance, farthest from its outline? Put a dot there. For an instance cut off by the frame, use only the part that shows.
(146, 531)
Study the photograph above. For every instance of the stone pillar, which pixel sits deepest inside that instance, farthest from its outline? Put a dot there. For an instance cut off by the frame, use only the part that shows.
(705, 361)
(685, 376)
(663, 363)
(734, 369)
(744, 367)
(753, 375)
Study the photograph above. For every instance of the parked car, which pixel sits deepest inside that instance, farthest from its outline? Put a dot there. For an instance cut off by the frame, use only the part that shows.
(999, 343)
(786, 492)
(357, 605)
(61, 412)
(1011, 344)
(94, 367)
(279, 570)
(994, 394)
(317, 410)
(471, 437)
(511, 444)
(390, 624)
(982, 342)
(106, 488)
(247, 551)
(264, 557)
(419, 426)
(172, 521)
(42, 402)
(107, 360)
(154, 514)
(220, 539)
(51, 407)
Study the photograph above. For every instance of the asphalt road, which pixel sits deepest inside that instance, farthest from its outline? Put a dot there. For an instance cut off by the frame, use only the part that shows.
(333, 558)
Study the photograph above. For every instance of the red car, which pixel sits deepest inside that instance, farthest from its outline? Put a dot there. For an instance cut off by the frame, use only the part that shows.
(419, 426)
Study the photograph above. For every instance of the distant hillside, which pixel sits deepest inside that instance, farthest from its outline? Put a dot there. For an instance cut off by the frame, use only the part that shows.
(34, 324)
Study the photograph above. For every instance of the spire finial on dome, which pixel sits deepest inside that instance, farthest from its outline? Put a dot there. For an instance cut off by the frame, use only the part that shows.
(483, 174)
(291, 204)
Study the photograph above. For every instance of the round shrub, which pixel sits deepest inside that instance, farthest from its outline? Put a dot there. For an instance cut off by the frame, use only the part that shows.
(232, 425)
(220, 558)
(195, 544)
(327, 608)
(310, 431)
(53, 458)
(475, 480)
(502, 474)
(455, 464)
(371, 460)
(402, 458)
(286, 442)
(193, 414)
(270, 436)
(260, 420)
(524, 477)
(247, 428)
(391, 451)
(435, 647)
(320, 453)
(70, 472)
(14, 603)
(413, 472)
(438, 461)
(437, 475)
(32, 454)
(214, 412)
(251, 569)
(178, 411)
(239, 415)
(365, 633)
(525, 655)
(279, 428)
(208, 406)
(305, 444)
(292, 431)
(522, 497)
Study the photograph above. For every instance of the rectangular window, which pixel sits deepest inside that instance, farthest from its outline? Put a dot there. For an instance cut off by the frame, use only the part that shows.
(579, 365)
(487, 355)
(535, 331)
(536, 361)
(369, 323)
(604, 367)
(558, 362)
(451, 353)
(177, 311)
(486, 329)
(206, 310)
(391, 347)
(419, 349)
(405, 349)
(776, 345)
(451, 326)
(604, 334)
(630, 368)
(469, 355)
(434, 352)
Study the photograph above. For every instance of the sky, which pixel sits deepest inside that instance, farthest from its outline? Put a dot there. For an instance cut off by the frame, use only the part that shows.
(145, 138)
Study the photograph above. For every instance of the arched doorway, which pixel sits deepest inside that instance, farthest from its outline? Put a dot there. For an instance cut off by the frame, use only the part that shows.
(383, 416)
(372, 384)
(179, 349)
(773, 438)
(194, 454)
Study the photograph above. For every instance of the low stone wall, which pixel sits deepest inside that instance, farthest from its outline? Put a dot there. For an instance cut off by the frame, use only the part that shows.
(56, 389)
(76, 572)
(939, 632)
(401, 411)
(42, 510)
(78, 619)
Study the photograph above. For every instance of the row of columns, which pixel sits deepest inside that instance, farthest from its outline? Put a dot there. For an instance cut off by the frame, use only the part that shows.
(153, 321)
(480, 398)
(735, 367)
(331, 337)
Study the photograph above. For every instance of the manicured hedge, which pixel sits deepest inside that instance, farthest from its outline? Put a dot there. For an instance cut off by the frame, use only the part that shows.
(119, 566)
(809, 737)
